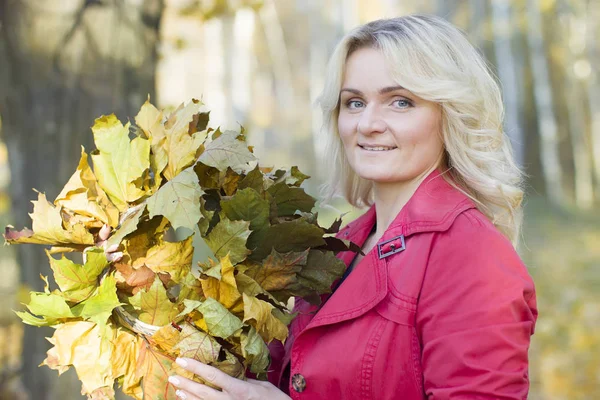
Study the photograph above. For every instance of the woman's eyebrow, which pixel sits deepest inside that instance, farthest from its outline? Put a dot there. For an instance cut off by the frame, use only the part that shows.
(384, 90)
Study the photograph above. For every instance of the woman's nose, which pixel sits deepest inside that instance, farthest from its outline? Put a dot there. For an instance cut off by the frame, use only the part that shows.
(371, 121)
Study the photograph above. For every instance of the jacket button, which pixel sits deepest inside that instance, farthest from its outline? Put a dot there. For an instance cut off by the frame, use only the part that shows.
(298, 383)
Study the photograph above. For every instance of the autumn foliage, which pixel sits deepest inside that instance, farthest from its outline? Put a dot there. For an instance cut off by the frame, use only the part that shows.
(127, 321)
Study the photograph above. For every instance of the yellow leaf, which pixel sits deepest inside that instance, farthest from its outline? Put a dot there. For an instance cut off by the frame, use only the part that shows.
(124, 360)
(149, 119)
(172, 258)
(180, 145)
(83, 195)
(166, 338)
(48, 228)
(119, 162)
(224, 290)
(83, 345)
(154, 368)
(258, 314)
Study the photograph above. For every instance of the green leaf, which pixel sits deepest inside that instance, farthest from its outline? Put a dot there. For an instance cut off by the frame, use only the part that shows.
(219, 320)
(227, 151)
(229, 237)
(255, 351)
(290, 199)
(78, 282)
(178, 200)
(296, 177)
(254, 180)
(321, 270)
(49, 305)
(119, 162)
(296, 235)
(248, 205)
(100, 306)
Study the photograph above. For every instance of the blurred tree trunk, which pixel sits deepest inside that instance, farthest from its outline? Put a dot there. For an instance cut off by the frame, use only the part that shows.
(542, 89)
(505, 63)
(572, 24)
(64, 64)
(593, 51)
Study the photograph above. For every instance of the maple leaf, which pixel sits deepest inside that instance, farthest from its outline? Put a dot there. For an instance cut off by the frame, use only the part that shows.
(219, 321)
(178, 200)
(132, 280)
(229, 238)
(278, 271)
(255, 351)
(83, 195)
(154, 305)
(224, 290)
(255, 180)
(227, 151)
(126, 347)
(230, 365)
(128, 224)
(290, 199)
(78, 282)
(172, 258)
(154, 368)
(258, 314)
(118, 162)
(50, 306)
(248, 205)
(296, 235)
(47, 225)
(197, 345)
(100, 305)
(88, 349)
(166, 338)
(295, 177)
(321, 270)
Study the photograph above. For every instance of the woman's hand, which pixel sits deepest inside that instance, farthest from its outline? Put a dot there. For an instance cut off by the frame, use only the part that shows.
(233, 388)
(111, 252)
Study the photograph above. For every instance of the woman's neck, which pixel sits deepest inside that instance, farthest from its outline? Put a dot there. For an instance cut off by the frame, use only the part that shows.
(390, 198)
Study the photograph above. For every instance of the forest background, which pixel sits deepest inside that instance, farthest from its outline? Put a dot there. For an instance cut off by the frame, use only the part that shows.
(261, 63)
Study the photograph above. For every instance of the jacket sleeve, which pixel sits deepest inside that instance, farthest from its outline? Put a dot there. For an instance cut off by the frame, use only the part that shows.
(476, 315)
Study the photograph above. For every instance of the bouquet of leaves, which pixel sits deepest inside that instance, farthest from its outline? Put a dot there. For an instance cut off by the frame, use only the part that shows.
(126, 321)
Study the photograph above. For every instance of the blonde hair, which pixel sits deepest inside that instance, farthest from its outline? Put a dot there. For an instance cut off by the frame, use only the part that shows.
(433, 59)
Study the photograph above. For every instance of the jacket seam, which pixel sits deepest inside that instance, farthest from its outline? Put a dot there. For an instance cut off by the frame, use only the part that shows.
(416, 350)
(368, 361)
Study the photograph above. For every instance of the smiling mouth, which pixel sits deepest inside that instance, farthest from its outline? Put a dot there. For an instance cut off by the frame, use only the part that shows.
(376, 148)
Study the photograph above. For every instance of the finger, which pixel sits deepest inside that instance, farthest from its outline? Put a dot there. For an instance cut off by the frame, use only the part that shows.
(113, 257)
(209, 374)
(196, 389)
(112, 248)
(104, 232)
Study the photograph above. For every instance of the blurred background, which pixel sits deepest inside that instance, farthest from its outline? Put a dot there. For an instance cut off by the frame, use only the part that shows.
(260, 63)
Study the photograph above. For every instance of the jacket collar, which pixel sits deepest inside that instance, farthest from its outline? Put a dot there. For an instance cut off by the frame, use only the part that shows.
(433, 207)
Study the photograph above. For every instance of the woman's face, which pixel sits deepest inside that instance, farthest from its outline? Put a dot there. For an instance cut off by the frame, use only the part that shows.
(389, 134)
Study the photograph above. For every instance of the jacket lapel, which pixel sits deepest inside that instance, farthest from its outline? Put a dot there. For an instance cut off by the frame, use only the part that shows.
(433, 207)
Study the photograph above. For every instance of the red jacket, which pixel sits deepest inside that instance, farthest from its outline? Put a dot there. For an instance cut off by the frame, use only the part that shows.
(441, 308)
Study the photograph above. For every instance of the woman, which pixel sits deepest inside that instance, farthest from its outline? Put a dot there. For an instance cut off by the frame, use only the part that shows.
(440, 306)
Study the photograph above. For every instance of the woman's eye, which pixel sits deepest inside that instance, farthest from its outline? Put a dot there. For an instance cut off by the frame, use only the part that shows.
(354, 104)
(401, 103)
